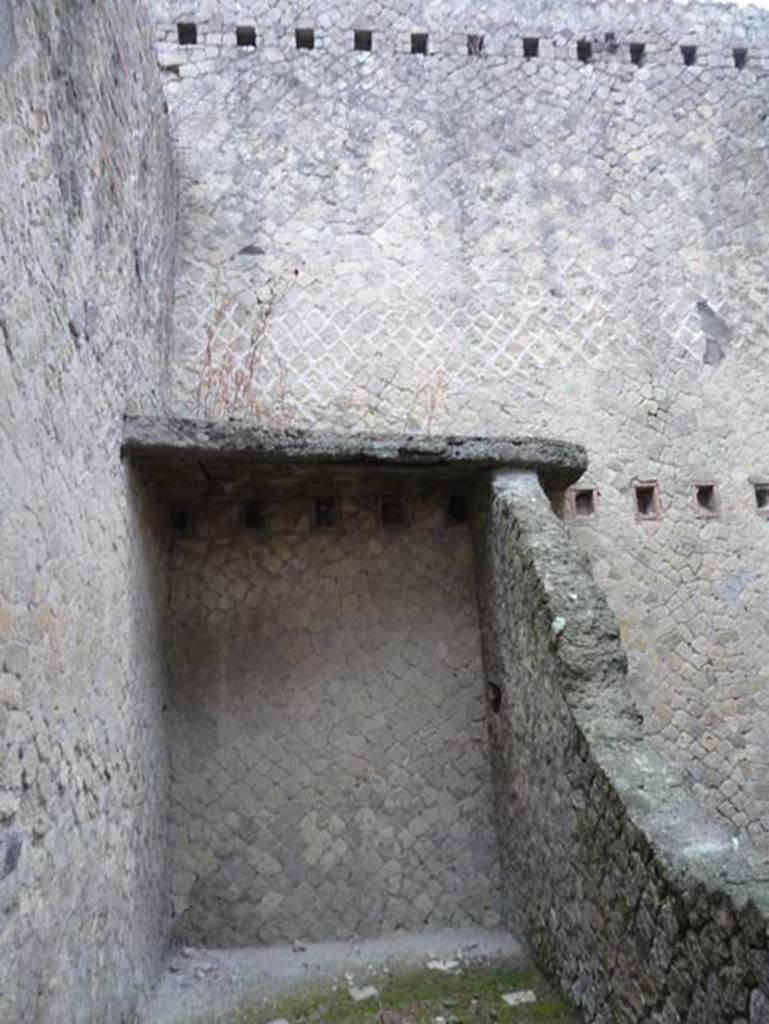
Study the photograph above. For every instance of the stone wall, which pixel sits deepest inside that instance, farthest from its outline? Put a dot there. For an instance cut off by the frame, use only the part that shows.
(330, 772)
(645, 909)
(87, 213)
(488, 242)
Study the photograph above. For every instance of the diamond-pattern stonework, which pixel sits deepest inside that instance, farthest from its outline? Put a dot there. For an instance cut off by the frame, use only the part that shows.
(385, 241)
(329, 762)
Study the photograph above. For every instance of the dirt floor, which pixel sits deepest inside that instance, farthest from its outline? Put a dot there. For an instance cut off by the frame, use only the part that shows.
(465, 995)
(454, 976)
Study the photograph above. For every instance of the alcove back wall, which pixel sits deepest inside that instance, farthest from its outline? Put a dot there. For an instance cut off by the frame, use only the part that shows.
(330, 773)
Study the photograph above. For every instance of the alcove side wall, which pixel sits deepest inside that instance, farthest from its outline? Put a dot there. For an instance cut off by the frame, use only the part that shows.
(636, 901)
(87, 212)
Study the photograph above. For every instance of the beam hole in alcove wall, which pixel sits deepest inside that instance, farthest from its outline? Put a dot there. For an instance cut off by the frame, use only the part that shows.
(180, 519)
(530, 47)
(363, 40)
(689, 55)
(245, 35)
(392, 511)
(458, 511)
(325, 513)
(761, 494)
(419, 43)
(255, 516)
(740, 55)
(637, 54)
(187, 33)
(305, 38)
(474, 46)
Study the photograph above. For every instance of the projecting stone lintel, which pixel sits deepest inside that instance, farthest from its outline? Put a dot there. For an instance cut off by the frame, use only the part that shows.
(161, 442)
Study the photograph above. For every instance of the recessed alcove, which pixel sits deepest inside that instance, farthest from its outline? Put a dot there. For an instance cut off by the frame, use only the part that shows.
(330, 774)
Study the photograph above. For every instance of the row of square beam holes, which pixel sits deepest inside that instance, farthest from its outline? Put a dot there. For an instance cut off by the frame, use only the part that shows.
(325, 513)
(583, 501)
(363, 40)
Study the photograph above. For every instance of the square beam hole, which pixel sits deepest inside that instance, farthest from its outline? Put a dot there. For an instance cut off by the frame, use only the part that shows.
(706, 500)
(761, 492)
(647, 499)
(363, 39)
(180, 519)
(584, 50)
(474, 46)
(689, 55)
(530, 47)
(255, 515)
(305, 38)
(585, 503)
(187, 33)
(740, 54)
(457, 510)
(637, 54)
(325, 513)
(245, 35)
(419, 43)
(392, 511)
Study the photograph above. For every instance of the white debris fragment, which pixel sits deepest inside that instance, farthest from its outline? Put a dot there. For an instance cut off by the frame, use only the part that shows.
(298, 946)
(359, 995)
(280, 1020)
(442, 965)
(519, 998)
(559, 625)
(466, 952)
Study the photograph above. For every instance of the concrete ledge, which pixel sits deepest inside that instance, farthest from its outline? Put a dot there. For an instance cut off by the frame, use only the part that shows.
(176, 449)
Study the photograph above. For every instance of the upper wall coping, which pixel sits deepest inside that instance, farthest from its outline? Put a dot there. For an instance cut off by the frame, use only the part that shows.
(183, 440)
